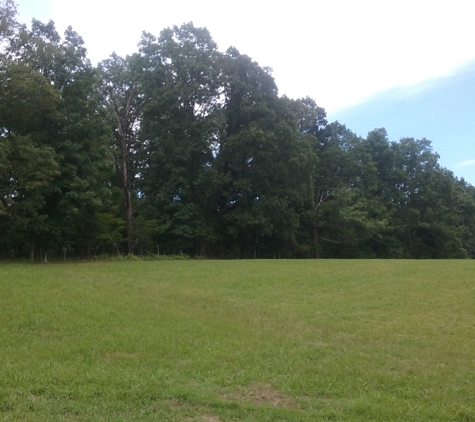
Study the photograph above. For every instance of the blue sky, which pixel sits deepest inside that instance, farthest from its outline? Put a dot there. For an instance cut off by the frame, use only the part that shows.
(406, 65)
(441, 110)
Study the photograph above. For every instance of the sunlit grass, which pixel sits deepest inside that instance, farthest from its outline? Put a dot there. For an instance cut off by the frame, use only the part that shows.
(238, 341)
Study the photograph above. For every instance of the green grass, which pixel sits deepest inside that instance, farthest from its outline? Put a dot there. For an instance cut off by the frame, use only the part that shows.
(238, 341)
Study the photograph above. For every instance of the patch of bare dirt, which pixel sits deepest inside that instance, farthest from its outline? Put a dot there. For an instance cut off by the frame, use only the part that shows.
(262, 394)
(211, 418)
(175, 404)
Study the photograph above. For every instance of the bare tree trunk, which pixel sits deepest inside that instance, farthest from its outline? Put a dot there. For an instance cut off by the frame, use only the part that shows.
(129, 218)
(122, 166)
(126, 117)
(319, 199)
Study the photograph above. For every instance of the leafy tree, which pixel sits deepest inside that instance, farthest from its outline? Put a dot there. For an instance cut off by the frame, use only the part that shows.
(208, 159)
(50, 88)
(29, 108)
(8, 24)
(427, 217)
(180, 126)
(29, 104)
(263, 162)
(25, 169)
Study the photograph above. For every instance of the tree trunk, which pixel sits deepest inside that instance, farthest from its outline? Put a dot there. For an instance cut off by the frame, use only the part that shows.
(129, 218)
(204, 249)
(32, 252)
(315, 242)
(126, 116)
(122, 166)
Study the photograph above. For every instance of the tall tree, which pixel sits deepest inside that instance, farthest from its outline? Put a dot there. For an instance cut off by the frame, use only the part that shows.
(77, 134)
(180, 126)
(263, 162)
(122, 98)
(29, 107)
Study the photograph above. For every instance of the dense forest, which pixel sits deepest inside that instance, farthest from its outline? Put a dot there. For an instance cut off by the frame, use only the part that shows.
(180, 148)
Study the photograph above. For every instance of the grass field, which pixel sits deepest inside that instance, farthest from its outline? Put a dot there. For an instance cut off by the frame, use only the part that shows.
(223, 341)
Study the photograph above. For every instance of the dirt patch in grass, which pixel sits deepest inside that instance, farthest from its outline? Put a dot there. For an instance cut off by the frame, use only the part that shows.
(175, 404)
(262, 394)
(211, 418)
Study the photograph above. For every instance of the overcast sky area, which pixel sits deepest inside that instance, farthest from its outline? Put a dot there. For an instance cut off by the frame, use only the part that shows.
(408, 66)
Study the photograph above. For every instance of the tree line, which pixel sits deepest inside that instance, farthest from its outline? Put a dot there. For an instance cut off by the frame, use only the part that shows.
(182, 148)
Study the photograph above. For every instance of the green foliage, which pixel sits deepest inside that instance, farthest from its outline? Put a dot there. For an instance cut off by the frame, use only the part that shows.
(48, 99)
(29, 104)
(25, 170)
(209, 161)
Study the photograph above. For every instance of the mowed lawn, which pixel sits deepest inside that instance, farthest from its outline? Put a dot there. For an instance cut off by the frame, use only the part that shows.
(274, 340)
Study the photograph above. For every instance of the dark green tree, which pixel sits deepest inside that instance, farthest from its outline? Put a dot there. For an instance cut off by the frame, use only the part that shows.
(65, 117)
(180, 128)
(264, 163)
(29, 106)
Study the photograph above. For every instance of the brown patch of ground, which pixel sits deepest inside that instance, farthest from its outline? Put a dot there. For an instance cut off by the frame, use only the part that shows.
(262, 394)
(211, 418)
(175, 404)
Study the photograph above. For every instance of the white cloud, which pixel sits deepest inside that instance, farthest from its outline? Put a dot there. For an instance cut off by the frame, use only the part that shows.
(467, 163)
(337, 52)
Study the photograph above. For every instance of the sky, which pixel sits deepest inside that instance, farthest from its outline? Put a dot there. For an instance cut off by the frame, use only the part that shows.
(440, 110)
(406, 65)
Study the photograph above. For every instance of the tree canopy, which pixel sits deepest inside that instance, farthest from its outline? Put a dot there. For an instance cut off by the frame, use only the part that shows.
(182, 148)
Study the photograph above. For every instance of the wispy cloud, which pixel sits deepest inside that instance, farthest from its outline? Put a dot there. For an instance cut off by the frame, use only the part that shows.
(466, 163)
